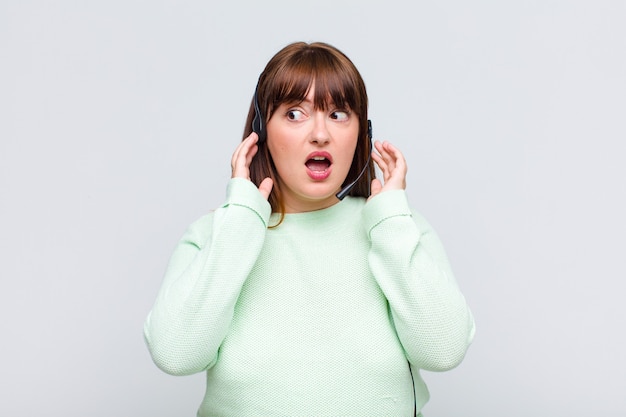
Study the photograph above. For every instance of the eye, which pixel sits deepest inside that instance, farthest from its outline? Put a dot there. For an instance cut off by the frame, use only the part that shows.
(294, 114)
(340, 115)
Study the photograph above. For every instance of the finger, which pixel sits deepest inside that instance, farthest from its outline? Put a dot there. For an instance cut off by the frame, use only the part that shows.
(241, 166)
(375, 188)
(239, 148)
(381, 164)
(265, 188)
(379, 147)
(397, 168)
(250, 155)
(384, 167)
(380, 161)
(392, 150)
(242, 157)
(388, 156)
(235, 158)
(398, 158)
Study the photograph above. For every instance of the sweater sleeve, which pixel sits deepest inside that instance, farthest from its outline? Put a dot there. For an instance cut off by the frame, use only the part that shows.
(195, 305)
(430, 315)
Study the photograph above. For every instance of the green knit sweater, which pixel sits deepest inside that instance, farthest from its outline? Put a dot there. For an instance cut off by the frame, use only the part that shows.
(332, 313)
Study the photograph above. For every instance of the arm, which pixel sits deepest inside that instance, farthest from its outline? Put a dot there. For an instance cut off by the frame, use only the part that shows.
(195, 305)
(430, 315)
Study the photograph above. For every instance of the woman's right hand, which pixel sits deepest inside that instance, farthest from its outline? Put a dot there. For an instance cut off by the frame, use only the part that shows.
(241, 160)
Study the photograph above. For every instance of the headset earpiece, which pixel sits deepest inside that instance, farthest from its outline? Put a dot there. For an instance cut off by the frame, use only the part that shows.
(258, 123)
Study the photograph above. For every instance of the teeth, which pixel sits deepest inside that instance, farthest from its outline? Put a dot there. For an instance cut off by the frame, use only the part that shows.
(318, 158)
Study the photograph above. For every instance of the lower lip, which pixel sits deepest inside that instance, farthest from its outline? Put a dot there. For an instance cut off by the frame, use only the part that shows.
(319, 175)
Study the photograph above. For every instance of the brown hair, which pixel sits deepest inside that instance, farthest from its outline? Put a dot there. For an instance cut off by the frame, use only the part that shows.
(287, 78)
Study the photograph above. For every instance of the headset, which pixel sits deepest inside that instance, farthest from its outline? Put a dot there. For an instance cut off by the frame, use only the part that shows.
(258, 123)
(345, 190)
(258, 127)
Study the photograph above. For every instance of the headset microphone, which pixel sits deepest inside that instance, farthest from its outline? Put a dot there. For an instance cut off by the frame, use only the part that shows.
(345, 190)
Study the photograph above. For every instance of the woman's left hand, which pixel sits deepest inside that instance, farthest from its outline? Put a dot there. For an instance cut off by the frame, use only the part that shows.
(393, 166)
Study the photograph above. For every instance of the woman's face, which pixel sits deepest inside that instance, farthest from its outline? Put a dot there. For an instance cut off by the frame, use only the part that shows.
(312, 150)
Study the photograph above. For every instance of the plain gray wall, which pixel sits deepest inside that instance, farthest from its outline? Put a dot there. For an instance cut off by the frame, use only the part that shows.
(118, 120)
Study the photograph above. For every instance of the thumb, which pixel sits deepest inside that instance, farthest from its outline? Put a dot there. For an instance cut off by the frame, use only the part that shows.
(265, 188)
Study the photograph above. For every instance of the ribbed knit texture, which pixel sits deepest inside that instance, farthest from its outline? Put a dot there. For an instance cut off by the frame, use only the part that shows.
(320, 316)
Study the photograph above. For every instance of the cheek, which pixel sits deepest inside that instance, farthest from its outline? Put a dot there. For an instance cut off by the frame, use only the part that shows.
(279, 153)
(351, 147)
(277, 140)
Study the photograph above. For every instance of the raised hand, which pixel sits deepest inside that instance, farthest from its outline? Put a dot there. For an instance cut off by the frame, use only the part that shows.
(241, 160)
(393, 166)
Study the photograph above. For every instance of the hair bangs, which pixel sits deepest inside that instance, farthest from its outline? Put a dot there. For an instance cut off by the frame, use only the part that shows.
(334, 86)
(332, 83)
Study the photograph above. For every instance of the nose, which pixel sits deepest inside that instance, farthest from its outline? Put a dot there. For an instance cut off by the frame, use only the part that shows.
(320, 134)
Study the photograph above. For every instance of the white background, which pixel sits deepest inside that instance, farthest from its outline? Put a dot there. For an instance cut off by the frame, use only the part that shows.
(118, 120)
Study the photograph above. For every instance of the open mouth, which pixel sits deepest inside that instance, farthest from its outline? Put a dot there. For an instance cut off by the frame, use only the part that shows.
(318, 163)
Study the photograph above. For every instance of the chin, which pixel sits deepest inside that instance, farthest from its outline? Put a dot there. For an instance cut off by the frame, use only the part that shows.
(322, 193)
(312, 195)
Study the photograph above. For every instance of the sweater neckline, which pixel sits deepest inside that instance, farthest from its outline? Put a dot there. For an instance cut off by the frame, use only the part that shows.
(337, 216)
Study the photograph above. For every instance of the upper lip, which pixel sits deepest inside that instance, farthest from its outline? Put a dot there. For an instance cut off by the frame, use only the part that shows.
(320, 154)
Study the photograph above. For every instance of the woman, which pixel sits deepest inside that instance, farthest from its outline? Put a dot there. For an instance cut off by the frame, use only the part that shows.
(296, 302)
